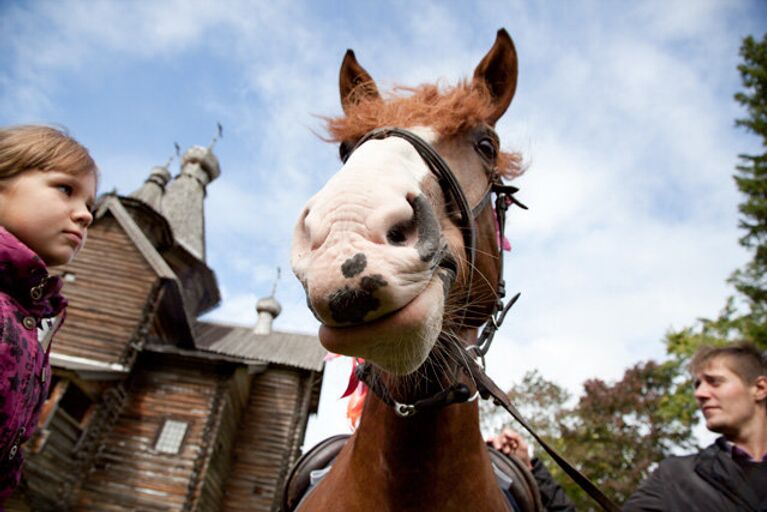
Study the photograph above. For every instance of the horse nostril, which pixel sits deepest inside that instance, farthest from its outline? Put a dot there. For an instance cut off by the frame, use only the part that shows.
(398, 234)
(304, 229)
(406, 230)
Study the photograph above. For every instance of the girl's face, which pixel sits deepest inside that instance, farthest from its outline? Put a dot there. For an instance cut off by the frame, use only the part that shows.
(49, 211)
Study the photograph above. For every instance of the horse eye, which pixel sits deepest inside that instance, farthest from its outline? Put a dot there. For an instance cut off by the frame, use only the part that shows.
(486, 148)
(343, 151)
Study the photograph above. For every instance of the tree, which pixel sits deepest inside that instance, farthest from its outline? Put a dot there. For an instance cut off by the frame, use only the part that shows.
(614, 433)
(751, 180)
(541, 402)
(621, 429)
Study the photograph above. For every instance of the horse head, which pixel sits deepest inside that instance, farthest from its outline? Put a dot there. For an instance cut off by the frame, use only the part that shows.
(398, 260)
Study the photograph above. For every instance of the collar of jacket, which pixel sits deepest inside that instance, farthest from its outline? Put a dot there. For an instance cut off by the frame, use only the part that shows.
(24, 276)
(736, 452)
(715, 465)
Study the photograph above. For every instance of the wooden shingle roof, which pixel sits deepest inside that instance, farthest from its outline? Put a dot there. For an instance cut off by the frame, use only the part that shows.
(285, 348)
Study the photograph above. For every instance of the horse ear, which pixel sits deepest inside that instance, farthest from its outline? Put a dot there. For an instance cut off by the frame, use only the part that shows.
(498, 73)
(355, 83)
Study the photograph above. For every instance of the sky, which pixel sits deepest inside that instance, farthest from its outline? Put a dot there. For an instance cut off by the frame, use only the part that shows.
(624, 115)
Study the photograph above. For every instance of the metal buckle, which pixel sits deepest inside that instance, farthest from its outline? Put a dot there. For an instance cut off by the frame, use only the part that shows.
(404, 410)
(479, 358)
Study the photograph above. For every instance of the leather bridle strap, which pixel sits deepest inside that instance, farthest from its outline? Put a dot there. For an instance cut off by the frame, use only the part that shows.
(504, 198)
(487, 388)
(447, 181)
(457, 393)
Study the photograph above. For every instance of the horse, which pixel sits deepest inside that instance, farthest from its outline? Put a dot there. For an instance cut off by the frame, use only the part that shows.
(400, 255)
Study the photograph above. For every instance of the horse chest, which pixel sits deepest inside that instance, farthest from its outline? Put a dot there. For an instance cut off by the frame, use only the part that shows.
(403, 469)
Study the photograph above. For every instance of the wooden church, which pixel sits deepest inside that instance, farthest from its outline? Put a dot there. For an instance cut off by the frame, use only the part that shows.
(151, 409)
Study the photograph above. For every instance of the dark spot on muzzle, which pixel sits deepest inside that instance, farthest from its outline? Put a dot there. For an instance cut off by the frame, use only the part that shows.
(350, 305)
(354, 265)
(428, 228)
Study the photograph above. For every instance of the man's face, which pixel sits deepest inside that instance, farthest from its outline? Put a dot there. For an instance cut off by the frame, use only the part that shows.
(728, 404)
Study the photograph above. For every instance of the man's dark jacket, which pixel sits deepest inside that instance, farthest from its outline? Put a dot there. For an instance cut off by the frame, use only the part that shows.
(707, 481)
(553, 497)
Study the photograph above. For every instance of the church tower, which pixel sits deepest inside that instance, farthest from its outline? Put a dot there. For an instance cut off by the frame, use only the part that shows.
(153, 189)
(183, 202)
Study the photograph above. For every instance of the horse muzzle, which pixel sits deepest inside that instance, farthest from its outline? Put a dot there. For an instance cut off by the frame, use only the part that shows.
(369, 254)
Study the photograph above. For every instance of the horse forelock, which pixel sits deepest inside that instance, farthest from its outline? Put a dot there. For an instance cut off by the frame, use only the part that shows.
(448, 110)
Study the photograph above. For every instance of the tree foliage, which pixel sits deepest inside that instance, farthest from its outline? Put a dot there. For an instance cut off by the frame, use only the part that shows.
(541, 402)
(751, 180)
(623, 428)
(614, 433)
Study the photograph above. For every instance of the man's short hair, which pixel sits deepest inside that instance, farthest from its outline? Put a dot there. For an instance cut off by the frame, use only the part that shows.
(745, 360)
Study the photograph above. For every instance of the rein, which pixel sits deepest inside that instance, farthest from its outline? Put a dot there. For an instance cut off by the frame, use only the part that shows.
(486, 388)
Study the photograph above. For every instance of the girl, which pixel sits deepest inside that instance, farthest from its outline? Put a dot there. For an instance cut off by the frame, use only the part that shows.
(47, 190)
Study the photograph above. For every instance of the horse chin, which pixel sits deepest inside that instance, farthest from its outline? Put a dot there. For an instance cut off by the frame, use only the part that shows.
(399, 342)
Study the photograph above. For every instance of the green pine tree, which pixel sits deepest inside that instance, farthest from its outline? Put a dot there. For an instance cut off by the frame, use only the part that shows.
(751, 179)
(744, 316)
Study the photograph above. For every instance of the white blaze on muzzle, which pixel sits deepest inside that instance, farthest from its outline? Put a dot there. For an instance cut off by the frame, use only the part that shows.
(367, 249)
(366, 243)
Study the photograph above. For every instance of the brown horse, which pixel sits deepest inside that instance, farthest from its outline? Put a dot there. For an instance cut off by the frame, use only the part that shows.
(400, 256)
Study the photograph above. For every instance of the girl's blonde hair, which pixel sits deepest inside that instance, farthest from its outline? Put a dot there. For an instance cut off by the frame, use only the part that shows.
(43, 148)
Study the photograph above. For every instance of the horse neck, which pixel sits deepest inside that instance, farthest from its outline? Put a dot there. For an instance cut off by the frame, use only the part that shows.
(441, 435)
(438, 452)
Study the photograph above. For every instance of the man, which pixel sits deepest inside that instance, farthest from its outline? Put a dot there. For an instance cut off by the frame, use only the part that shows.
(731, 474)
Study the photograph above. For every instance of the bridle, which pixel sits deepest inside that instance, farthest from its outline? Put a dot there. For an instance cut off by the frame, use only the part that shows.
(451, 187)
(474, 366)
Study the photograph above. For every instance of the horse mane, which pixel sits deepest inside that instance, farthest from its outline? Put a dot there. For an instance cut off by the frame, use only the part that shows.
(448, 110)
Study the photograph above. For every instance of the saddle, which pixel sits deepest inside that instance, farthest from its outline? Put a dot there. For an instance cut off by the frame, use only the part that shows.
(512, 476)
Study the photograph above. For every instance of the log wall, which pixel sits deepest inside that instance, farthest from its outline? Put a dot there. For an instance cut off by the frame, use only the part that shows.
(109, 298)
(267, 444)
(210, 495)
(62, 450)
(129, 474)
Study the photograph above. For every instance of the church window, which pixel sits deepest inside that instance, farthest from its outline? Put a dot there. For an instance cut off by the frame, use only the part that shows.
(171, 436)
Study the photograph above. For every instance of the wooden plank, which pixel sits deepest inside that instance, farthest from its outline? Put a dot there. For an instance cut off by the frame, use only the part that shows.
(264, 444)
(108, 298)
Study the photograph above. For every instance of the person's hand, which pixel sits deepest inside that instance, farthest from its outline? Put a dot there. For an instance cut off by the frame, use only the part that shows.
(509, 442)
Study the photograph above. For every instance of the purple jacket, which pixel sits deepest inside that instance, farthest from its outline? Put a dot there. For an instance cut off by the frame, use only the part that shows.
(27, 295)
